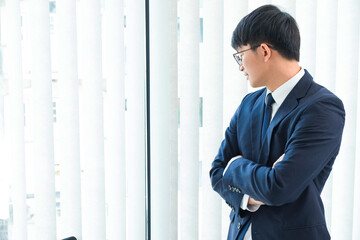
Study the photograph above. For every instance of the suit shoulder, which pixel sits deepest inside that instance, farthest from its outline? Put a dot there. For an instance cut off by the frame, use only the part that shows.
(321, 101)
(321, 94)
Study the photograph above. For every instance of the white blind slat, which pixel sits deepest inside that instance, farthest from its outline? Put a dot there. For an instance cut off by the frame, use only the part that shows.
(68, 120)
(135, 119)
(113, 57)
(43, 120)
(212, 131)
(91, 122)
(15, 127)
(163, 119)
(189, 119)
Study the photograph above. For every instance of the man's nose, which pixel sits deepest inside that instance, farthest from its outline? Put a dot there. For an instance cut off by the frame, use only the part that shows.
(241, 67)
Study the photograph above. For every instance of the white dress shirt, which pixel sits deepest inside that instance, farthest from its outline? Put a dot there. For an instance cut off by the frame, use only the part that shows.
(279, 96)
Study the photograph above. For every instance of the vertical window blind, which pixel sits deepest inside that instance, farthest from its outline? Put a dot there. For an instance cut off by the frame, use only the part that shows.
(42, 118)
(73, 119)
(68, 121)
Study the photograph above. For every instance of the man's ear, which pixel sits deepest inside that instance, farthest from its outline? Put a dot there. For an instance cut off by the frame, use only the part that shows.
(265, 51)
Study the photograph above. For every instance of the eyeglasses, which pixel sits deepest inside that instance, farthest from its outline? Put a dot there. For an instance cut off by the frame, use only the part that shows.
(238, 57)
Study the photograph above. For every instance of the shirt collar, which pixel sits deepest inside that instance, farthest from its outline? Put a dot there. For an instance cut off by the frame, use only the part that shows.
(281, 92)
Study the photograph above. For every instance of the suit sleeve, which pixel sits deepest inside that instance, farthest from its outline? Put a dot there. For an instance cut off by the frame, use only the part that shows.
(313, 145)
(228, 149)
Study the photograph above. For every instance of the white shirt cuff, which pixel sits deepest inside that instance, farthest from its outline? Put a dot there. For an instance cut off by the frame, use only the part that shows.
(244, 202)
(245, 206)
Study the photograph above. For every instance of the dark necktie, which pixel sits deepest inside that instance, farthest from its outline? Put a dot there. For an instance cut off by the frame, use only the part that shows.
(267, 115)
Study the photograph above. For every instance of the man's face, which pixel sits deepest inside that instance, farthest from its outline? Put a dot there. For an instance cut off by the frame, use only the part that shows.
(252, 65)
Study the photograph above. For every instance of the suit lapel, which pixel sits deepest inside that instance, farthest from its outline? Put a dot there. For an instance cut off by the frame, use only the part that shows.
(257, 115)
(289, 104)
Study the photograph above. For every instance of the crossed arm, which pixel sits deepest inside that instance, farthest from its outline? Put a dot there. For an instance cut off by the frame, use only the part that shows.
(252, 201)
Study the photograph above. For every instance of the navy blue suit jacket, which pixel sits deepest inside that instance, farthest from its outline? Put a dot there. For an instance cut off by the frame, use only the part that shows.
(307, 127)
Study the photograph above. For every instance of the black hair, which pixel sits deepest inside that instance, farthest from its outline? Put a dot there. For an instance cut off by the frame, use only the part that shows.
(268, 24)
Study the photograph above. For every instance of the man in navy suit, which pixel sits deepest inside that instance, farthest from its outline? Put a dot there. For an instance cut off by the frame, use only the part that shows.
(282, 141)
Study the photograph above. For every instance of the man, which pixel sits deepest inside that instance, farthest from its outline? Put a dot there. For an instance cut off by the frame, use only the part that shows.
(282, 141)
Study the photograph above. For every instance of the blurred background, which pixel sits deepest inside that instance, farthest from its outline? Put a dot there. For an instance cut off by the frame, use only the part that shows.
(111, 112)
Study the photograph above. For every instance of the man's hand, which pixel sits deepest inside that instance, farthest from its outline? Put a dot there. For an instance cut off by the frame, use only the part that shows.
(254, 202)
(279, 160)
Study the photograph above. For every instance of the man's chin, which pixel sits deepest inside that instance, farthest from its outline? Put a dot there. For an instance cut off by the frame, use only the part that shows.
(252, 84)
(255, 85)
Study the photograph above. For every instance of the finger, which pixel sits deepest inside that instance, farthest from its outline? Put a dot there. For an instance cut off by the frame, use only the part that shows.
(255, 202)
